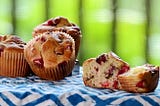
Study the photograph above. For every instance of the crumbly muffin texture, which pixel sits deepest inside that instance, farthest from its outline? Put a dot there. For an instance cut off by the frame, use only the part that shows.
(109, 71)
(102, 72)
(49, 49)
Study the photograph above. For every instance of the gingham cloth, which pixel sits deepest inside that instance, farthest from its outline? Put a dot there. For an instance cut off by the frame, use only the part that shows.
(71, 91)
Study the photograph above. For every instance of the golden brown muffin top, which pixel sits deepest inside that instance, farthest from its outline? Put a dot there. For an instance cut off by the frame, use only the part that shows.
(11, 43)
(58, 24)
(49, 49)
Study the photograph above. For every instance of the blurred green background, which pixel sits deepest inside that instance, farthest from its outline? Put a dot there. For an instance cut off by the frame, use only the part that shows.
(96, 28)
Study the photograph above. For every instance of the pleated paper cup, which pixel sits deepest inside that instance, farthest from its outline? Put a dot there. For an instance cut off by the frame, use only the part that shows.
(138, 84)
(58, 72)
(13, 65)
(129, 84)
(77, 40)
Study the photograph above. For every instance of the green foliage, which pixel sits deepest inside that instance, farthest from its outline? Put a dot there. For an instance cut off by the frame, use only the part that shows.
(96, 28)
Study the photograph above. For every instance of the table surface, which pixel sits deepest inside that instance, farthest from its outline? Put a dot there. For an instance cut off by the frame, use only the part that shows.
(68, 92)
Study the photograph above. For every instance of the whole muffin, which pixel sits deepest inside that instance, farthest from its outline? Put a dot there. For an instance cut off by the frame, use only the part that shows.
(12, 61)
(61, 24)
(51, 55)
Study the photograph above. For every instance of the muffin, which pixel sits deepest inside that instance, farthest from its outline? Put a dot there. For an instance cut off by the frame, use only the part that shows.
(51, 55)
(61, 24)
(140, 79)
(12, 61)
(102, 72)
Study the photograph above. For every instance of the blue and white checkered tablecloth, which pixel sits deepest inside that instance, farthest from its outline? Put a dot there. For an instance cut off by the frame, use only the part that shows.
(71, 91)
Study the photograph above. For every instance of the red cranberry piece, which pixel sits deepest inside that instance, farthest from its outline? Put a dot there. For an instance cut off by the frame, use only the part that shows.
(140, 84)
(50, 23)
(39, 62)
(1, 50)
(57, 20)
(124, 69)
(115, 84)
(43, 39)
(105, 84)
(101, 59)
(96, 69)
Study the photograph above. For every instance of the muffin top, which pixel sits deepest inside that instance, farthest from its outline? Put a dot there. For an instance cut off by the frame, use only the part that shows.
(11, 43)
(49, 49)
(58, 24)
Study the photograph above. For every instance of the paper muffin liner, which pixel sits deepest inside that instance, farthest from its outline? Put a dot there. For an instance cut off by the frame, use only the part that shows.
(58, 72)
(130, 84)
(13, 65)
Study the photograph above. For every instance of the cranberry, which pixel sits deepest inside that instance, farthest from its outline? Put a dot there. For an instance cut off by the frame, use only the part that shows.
(1, 50)
(105, 84)
(57, 20)
(115, 84)
(39, 62)
(123, 69)
(140, 84)
(50, 23)
(43, 39)
(96, 68)
(101, 59)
